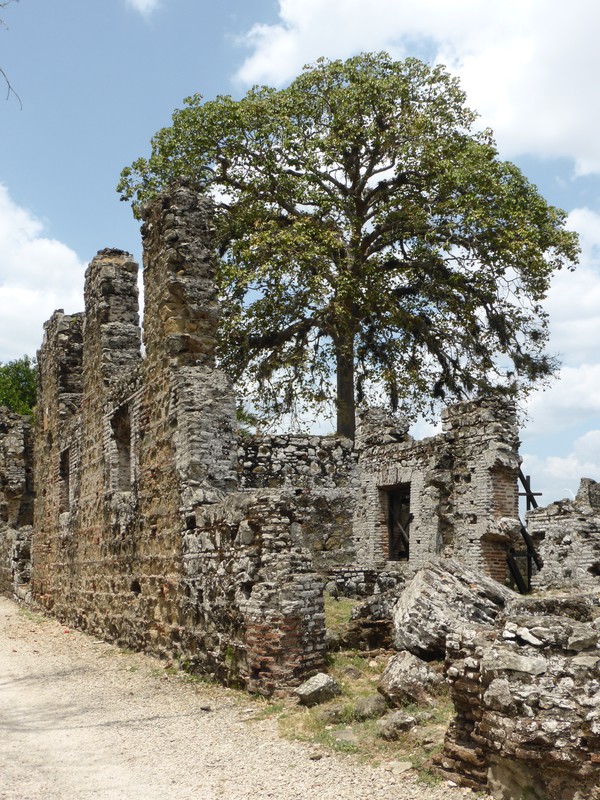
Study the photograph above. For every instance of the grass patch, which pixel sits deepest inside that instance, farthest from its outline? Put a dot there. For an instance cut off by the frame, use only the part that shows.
(32, 616)
(335, 727)
(267, 709)
(337, 613)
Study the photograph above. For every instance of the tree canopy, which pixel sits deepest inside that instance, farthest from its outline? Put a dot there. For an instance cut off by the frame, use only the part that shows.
(370, 238)
(18, 385)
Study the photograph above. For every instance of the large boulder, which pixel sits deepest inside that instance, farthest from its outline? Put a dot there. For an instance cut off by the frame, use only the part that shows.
(441, 598)
(407, 679)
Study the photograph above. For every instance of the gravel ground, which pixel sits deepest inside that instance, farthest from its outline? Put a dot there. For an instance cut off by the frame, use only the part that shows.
(81, 719)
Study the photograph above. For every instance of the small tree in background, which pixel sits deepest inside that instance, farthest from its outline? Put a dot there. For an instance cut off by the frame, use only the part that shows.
(18, 385)
(370, 239)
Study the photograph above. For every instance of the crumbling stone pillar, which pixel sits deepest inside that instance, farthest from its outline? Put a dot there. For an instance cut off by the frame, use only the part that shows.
(484, 439)
(60, 365)
(112, 325)
(111, 357)
(193, 398)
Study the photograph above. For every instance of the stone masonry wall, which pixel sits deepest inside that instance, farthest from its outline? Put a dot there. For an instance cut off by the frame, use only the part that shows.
(56, 448)
(527, 703)
(463, 490)
(16, 503)
(567, 535)
(322, 473)
(141, 536)
(248, 571)
(463, 486)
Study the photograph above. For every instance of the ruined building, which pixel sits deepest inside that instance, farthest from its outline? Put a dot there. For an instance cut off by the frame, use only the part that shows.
(157, 525)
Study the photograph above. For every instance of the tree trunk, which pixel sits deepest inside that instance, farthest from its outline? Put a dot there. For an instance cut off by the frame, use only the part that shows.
(345, 401)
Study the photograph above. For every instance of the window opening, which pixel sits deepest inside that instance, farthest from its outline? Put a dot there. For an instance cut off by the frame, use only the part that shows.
(399, 519)
(121, 427)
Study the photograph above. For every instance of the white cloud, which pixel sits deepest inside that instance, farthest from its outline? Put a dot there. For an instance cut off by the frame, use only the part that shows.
(559, 476)
(573, 301)
(37, 275)
(572, 400)
(143, 6)
(529, 66)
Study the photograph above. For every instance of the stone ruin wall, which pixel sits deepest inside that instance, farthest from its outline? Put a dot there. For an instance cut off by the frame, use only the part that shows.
(567, 536)
(16, 503)
(322, 475)
(463, 487)
(141, 535)
(527, 702)
(463, 491)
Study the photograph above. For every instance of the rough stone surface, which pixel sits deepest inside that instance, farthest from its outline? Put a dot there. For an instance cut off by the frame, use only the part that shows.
(318, 689)
(372, 706)
(370, 626)
(440, 599)
(567, 535)
(16, 503)
(394, 724)
(462, 485)
(528, 712)
(408, 679)
(322, 470)
(140, 533)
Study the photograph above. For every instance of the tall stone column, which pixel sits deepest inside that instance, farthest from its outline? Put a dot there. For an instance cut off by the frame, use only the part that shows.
(180, 323)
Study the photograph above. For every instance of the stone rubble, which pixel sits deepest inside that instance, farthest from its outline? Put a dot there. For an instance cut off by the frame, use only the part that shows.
(441, 598)
(318, 689)
(527, 696)
(407, 680)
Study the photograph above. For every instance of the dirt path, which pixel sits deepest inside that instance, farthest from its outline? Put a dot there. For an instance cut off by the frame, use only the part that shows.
(80, 719)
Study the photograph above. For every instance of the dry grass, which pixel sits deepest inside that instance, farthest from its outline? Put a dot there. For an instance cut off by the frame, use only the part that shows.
(334, 726)
(337, 613)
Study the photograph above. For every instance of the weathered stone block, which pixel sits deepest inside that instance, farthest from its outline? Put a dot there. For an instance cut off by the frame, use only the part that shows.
(407, 679)
(318, 689)
(438, 601)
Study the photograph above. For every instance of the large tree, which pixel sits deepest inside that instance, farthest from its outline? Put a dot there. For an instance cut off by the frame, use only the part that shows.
(369, 232)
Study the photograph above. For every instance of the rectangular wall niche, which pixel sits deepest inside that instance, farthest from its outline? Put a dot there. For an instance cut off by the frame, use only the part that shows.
(397, 500)
(64, 476)
(121, 428)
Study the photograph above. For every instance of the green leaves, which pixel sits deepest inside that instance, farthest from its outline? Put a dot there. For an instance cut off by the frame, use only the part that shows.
(358, 210)
(18, 385)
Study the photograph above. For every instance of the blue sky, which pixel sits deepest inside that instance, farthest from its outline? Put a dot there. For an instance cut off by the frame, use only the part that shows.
(97, 79)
